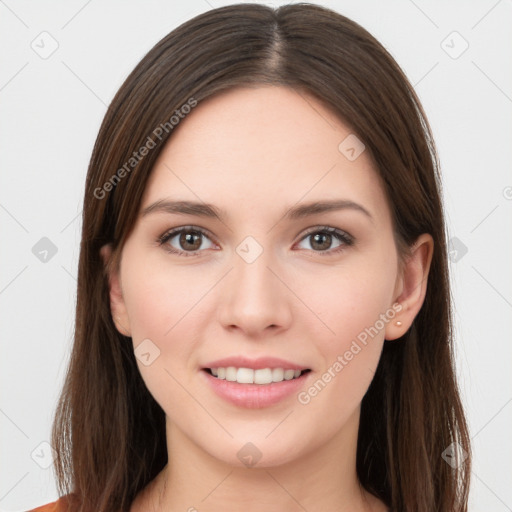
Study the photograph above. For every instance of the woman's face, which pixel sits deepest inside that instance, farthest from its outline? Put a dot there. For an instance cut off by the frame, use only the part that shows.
(261, 282)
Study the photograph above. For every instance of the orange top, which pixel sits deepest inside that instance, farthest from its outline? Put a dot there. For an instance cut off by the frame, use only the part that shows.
(57, 506)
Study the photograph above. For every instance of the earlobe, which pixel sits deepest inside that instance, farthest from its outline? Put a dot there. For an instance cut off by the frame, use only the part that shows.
(117, 304)
(413, 286)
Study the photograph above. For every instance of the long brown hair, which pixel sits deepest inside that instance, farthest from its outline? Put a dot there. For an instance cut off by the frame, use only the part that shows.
(108, 431)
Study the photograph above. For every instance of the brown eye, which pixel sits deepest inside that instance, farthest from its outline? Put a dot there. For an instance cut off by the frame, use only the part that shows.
(189, 241)
(321, 240)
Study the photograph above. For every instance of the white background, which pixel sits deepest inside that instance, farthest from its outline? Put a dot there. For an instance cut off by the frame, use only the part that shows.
(51, 110)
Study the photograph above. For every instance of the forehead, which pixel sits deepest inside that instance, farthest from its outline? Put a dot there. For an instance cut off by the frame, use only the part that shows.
(268, 145)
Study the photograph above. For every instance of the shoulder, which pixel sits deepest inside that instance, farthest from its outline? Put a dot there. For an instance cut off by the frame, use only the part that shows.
(61, 505)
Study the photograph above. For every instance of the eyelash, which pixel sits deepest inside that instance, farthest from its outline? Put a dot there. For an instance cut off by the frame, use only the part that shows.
(342, 236)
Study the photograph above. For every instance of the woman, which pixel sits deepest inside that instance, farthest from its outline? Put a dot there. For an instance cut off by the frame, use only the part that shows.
(298, 355)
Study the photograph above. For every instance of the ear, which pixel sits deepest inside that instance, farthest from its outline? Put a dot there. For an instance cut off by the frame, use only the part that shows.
(117, 305)
(412, 286)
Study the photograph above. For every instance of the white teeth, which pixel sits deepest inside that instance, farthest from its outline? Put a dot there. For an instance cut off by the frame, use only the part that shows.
(245, 375)
(250, 376)
(277, 374)
(289, 374)
(231, 373)
(263, 376)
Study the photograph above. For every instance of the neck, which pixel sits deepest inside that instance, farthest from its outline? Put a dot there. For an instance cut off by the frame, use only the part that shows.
(323, 479)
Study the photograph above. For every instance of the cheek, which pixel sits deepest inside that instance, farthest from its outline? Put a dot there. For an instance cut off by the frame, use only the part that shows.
(165, 319)
(349, 359)
(354, 312)
(158, 298)
(348, 302)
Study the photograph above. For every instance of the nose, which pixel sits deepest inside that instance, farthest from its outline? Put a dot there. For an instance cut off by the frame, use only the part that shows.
(255, 295)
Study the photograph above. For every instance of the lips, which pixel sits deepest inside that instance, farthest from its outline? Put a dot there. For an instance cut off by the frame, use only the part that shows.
(255, 395)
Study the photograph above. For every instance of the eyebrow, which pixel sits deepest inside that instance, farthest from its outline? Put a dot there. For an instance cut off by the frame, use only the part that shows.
(209, 210)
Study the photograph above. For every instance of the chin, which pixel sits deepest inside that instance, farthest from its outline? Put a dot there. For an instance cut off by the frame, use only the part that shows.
(257, 454)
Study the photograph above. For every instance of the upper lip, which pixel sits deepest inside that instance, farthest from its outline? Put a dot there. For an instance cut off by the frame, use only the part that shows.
(255, 364)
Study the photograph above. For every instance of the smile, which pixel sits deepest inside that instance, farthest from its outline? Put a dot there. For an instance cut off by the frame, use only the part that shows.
(250, 394)
(249, 376)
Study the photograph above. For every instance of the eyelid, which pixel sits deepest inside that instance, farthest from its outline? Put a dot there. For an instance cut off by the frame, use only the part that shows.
(177, 230)
(327, 229)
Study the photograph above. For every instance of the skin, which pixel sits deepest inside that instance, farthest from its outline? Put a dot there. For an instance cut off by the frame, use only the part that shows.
(256, 152)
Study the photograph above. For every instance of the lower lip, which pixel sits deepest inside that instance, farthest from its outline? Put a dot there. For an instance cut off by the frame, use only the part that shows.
(255, 396)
